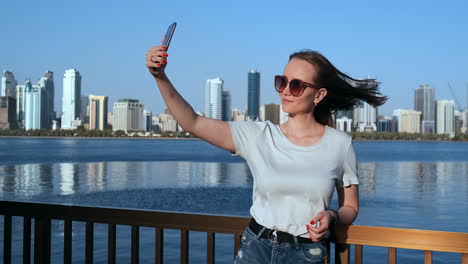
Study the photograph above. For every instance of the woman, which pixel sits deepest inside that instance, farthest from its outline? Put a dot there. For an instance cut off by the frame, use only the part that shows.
(296, 166)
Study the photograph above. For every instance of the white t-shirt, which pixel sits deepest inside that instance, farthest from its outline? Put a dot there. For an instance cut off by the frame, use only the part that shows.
(293, 183)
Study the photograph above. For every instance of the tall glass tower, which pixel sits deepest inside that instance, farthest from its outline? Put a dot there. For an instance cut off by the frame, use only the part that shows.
(213, 100)
(47, 85)
(71, 104)
(8, 87)
(253, 95)
(424, 102)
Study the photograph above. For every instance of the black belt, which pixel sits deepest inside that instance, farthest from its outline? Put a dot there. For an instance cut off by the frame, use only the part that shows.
(280, 236)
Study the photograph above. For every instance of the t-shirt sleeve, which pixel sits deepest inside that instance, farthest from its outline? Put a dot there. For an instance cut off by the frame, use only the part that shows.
(244, 134)
(350, 175)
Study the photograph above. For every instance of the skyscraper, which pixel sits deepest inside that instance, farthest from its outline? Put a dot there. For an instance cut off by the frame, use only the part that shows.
(71, 103)
(97, 112)
(9, 83)
(271, 112)
(35, 108)
(424, 103)
(213, 100)
(366, 117)
(445, 117)
(20, 102)
(47, 85)
(7, 112)
(253, 95)
(226, 106)
(128, 115)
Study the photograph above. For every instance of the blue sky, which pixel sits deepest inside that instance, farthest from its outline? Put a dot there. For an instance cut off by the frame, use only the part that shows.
(401, 43)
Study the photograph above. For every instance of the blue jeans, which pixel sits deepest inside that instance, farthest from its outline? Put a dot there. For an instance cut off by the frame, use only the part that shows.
(255, 250)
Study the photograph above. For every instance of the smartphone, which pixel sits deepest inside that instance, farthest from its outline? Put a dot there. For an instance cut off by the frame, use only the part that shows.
(169, 33)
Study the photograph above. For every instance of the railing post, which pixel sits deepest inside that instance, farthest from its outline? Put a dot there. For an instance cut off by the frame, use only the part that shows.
(159, 254)
(358, 254)
(27, 240)
(342, 254)
(42, 228)
(89, 244)
(135, 244)
(7, 239)
(464, 258)
(184, 246)
(427, 257)
(111, 243)
(392, 255)
(67, 241)
(237, 239)
(210, 248)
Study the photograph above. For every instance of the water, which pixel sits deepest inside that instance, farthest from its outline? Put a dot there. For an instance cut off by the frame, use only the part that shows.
(418, 185)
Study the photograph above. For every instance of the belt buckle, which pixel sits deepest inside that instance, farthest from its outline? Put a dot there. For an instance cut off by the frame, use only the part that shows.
(274, 234)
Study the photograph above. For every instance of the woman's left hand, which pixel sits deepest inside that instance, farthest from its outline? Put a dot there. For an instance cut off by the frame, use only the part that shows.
(318, 233)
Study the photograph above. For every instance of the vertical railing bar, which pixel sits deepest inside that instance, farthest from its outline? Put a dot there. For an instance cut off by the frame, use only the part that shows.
(210, 248)
(184, 246)
(89, 242)
(464, 257)
(67, 241)
(7, 239)
(26, 240)
(159, 254)
(391, 255)
(135, 244)
(358, 254)
(427, 257)
(342, 254)
(111, 243)
(42, 238)
(237, 240)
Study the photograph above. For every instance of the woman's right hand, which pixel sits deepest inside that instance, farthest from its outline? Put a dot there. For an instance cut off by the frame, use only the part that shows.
(156, 60)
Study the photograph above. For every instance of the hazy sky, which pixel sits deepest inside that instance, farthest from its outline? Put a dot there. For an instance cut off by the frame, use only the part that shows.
(401, 43)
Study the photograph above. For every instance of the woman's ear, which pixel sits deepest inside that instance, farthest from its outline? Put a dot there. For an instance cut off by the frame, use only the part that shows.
(321, 93)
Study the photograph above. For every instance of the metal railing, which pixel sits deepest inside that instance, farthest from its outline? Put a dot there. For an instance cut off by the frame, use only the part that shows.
(43, 214)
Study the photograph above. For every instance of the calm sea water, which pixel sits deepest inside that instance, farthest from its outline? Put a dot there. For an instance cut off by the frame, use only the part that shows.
(419, 185)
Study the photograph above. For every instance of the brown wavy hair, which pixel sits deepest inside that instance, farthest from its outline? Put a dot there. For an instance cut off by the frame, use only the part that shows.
(343, 92)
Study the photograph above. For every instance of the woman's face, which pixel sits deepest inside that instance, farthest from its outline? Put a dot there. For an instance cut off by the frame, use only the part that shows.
(306, 72)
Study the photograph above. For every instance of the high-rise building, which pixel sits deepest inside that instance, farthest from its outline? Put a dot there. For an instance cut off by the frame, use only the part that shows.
(253, 95)
(47, 85)
(97, 112)
(128, 115)
(213, 100)
(424, 102)
(35, 108)
(226, 106)
(21, 101)
(9, 83)
(366, 117)
(407, 120)
(147, 120)
(84, 109)
(270, 112)
(7, 112)
(464, 128)
(71, 103)
(445, 117)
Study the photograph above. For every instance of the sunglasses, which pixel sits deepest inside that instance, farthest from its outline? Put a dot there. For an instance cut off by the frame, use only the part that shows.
(296, 86)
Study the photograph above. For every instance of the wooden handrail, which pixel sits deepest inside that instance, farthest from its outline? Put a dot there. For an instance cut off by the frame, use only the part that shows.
(392, 238)
(403, 238)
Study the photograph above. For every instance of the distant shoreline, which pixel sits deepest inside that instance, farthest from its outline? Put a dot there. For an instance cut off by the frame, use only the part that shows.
(166, 138)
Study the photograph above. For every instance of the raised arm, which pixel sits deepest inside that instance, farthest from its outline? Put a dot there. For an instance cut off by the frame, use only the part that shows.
(213, 131)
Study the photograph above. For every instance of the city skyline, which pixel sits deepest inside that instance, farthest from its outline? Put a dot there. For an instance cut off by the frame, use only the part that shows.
(423, 43)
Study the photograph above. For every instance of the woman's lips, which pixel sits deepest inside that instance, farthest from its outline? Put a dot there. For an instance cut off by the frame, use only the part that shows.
(286, 101)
